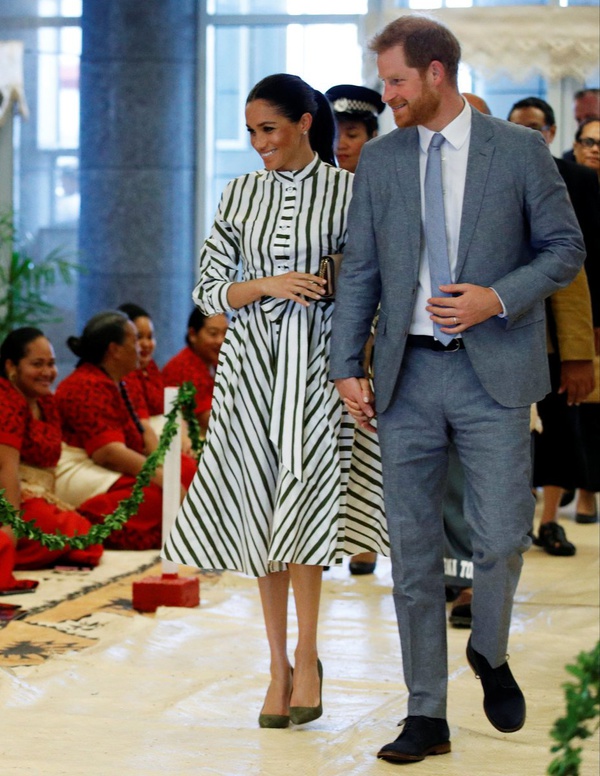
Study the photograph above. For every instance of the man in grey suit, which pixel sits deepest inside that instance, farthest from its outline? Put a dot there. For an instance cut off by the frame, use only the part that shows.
(509, 239)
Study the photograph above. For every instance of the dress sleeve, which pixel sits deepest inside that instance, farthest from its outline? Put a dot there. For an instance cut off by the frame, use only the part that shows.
(219, 258)
(13, 416)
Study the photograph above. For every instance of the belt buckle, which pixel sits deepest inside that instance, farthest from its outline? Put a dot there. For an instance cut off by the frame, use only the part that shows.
(454, 349)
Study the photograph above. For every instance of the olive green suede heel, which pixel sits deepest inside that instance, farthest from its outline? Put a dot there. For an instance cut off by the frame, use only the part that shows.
(273, 720)
(300, 715)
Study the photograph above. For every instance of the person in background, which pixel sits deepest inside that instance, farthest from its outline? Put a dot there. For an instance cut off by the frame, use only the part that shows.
(145, 384)
(355, 109)
(459, 227)
(197, 362)
(586, 105)
(284, 487)
(106, 442)
(586, 146)
(586, 149)
(146, 381)
(559, 454)
(30, 446)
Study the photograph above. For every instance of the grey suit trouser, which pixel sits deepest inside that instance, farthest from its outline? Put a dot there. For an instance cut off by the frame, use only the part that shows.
(438, 398)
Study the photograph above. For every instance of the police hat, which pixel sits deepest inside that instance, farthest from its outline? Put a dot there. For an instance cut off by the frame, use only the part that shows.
(350, 99)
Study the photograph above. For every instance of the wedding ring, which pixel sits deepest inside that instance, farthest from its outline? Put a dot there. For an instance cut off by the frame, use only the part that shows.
(455, 321)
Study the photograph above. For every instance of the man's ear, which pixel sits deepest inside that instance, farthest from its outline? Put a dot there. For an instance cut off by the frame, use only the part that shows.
(437, 71)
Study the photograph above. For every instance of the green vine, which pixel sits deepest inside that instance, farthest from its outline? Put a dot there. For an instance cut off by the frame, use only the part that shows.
(582, 707)
(184, 403)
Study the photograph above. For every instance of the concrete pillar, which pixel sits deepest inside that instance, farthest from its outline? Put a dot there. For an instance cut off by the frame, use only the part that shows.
(137, 160)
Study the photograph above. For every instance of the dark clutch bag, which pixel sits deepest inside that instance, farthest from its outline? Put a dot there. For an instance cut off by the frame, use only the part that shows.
(329, 269)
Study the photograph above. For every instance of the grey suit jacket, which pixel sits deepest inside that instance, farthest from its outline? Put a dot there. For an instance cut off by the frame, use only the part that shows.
(518, 234)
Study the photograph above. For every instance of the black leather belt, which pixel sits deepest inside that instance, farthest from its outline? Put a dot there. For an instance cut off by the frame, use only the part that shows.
(423, 341)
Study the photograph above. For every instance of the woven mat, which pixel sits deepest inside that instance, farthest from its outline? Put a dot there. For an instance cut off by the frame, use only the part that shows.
(72, 610)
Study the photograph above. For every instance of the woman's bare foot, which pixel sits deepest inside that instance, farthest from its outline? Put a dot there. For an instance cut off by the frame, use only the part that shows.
(277, 699)
(307, 685)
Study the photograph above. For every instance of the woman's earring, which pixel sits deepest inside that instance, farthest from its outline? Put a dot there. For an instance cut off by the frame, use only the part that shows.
(12, 376)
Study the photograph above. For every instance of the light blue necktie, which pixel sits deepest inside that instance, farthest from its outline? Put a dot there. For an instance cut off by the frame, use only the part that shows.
(435, 227)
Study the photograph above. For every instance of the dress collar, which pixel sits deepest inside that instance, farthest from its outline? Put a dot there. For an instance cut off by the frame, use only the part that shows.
(295, 176)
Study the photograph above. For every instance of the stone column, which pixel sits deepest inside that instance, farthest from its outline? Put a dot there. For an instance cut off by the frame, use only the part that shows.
(138, 99)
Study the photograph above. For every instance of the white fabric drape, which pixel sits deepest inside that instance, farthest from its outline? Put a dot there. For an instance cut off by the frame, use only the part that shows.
(519, 41)
(11, 79)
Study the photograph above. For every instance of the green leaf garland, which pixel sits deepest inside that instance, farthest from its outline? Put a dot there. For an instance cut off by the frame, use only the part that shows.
(184, 403)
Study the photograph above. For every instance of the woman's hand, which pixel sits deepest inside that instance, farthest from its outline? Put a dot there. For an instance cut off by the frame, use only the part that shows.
(358, 397)
(295, 286)
(291, 285)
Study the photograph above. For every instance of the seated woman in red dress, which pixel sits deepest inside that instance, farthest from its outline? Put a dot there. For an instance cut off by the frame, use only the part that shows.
(197, 362)
(104, 435)
(145, 384)
(30, 446)
(146, 381)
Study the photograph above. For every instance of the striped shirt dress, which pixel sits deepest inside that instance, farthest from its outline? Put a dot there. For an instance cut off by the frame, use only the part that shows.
(285, 475)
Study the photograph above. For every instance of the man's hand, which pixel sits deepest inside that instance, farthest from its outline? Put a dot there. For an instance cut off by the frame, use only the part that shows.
(472, 305)
(576, 380)
(358, 397)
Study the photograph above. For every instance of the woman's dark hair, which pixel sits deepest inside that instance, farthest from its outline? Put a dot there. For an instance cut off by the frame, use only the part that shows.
(99, 332)
(133, 311)
(292, 97)
(196, 321)
(15, 345)
(583, 124)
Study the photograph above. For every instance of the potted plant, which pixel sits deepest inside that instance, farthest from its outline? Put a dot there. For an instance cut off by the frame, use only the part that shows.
(25, 281)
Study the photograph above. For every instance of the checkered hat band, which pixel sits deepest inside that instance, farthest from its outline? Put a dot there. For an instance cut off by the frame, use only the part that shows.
(344, 105)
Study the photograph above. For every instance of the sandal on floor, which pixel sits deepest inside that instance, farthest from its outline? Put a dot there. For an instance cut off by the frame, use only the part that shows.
(553, 540)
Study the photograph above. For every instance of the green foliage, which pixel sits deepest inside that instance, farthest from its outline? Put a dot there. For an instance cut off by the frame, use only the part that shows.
(24, 282)
(582, 708)
(184, 403)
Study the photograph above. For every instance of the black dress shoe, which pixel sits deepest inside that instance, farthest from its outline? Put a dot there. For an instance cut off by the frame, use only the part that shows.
(461, 615)
(503, 701)
(420, 737)
(581, 518)
(553, 539)
(360, 567)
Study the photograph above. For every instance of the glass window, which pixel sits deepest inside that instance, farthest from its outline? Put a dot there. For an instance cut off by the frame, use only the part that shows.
(58, 87)
(287, 7)
(45, 192)
(59, 7)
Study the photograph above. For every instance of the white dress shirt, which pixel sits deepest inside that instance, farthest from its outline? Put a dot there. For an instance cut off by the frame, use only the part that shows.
(455, 153)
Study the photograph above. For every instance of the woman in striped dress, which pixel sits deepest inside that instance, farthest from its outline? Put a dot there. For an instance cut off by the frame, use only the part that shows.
(286, 483)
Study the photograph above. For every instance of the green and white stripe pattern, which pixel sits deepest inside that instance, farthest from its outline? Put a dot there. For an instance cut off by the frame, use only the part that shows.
(285, 476)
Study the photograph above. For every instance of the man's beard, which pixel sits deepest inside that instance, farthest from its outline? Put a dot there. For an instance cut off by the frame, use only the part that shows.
(420, 110)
